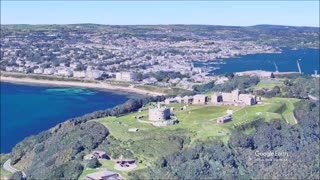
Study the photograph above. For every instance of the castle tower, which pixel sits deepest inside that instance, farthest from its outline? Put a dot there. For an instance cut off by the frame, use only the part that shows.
(159, 114)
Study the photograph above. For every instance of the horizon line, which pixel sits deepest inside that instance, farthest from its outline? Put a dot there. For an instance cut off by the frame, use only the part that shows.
(37, 24)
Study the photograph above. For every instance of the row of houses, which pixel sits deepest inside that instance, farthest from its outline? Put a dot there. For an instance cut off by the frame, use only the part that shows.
(67, 72)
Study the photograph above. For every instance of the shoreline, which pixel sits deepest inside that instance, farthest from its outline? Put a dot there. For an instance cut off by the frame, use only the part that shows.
(99, 85)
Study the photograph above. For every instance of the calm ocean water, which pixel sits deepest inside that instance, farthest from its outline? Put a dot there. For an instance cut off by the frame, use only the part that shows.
(285, 61)
(27, 110)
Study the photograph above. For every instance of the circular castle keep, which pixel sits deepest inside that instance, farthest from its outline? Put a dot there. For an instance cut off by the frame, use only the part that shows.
(159, 114)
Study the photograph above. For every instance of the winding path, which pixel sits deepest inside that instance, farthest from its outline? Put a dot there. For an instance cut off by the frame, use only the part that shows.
(7, 166)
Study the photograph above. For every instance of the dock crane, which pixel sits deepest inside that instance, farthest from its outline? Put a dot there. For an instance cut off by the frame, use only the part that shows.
(275, 65)
(298, 64)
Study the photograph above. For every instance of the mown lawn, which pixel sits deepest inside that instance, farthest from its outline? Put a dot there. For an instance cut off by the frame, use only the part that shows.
(268, 85)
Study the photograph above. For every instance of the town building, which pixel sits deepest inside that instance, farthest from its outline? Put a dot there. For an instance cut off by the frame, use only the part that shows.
(79, 74)
(38, 71)
(48, 71)
(125, 76)
(94, 74)
(64, 72)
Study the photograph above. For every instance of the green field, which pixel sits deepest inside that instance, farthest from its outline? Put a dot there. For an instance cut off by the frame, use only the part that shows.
(268, 85)
(197, 123)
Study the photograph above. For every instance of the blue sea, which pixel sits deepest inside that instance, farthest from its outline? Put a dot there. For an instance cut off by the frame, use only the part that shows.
(285, 61)
(27, 110)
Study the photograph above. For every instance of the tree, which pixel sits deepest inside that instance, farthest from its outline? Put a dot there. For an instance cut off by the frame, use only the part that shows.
(272, 75)
(229, 75)
(93, 163)
(276, 89)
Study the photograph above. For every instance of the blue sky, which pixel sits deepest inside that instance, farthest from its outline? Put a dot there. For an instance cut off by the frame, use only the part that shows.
(238, 13)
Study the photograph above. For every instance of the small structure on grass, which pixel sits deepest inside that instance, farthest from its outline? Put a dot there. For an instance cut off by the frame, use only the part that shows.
(133, 130)
(230, 112)
(125, 164)
(98, 155)
(103, 175)
(224, 119)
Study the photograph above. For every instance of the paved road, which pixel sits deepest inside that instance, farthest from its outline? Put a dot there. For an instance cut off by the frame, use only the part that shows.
(7, 166)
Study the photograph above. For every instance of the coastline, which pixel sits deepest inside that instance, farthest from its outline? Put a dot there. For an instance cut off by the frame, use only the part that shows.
(99, 85)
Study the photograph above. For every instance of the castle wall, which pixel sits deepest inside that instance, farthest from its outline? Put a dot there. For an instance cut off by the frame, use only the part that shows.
(227, 97)
(248, 99)
(199, 99)
(215, 98)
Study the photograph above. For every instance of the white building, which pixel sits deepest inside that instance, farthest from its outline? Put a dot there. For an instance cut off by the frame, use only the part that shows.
(64, 72)
(94, 74)
(48, 71)
(125, 76)
(38, 71)
(79, 74)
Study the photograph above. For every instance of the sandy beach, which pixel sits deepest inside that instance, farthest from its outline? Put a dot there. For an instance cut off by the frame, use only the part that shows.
(99, 85)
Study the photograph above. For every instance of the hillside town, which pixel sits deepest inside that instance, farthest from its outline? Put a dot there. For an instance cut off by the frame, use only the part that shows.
(81, 52)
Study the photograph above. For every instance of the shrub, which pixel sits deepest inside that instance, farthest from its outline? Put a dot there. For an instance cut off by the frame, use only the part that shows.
(93, 163)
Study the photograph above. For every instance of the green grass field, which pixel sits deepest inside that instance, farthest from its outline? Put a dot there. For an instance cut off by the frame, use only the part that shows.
(268, 85)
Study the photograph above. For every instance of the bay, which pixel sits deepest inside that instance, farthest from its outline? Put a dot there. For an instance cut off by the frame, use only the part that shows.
(27, 109)
(285, 62)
